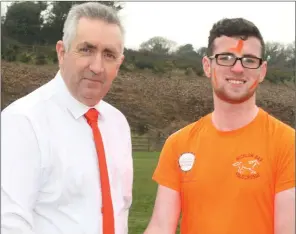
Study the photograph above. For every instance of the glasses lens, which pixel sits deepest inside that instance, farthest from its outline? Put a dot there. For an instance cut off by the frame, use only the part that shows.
(225, 59)
(250, 62)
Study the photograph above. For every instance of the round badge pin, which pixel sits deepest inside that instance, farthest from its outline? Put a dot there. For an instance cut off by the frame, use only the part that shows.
(186, 161)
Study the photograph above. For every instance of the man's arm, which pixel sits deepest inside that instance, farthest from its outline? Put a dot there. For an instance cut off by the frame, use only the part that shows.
(285, 212)
(166, 212)
(20, 174)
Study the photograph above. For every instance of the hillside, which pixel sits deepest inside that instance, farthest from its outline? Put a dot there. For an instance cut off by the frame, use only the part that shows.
(159, 103)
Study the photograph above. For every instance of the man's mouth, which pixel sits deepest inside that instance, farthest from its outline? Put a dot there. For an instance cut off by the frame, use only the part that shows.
(236, 81)
(94, 80)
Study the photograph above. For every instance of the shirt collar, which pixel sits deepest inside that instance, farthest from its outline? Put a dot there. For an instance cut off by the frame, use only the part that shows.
(76, 108)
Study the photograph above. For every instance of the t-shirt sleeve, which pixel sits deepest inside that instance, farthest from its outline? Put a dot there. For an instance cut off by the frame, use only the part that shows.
(167, 169)
(285, 176)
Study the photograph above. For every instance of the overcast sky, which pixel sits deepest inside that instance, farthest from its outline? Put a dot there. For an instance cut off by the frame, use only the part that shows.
(190, 22)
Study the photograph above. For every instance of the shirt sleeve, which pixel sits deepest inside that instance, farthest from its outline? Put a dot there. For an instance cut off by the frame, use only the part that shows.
(285, 176)
(20, 174)
(167, 171)
(128, 182)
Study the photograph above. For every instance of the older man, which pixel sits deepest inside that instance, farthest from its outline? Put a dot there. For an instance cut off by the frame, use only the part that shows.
(66, 154)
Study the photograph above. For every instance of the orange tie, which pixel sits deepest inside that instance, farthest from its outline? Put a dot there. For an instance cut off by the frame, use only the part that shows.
(107, 207)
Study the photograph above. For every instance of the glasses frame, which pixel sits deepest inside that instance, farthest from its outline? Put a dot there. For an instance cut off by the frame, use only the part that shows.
(236, 58)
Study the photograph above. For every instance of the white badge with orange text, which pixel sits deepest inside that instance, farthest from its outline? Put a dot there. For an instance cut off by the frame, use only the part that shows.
(186, 161)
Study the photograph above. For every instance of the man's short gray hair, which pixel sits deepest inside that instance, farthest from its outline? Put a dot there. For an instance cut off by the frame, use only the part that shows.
(90, 10)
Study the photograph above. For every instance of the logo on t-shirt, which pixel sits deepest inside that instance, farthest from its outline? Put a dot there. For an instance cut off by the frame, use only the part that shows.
(247, 165)
(186, 161)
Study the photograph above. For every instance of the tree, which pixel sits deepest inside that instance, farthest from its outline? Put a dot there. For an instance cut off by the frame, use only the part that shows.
(53, 29)
(158, 45)
(275, 54)
(185, 50)
(281, 62)
(202, 51)
(290, 55)
(2, 20)
(23, 21)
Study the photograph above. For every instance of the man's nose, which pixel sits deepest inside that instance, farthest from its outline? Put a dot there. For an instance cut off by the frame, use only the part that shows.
(97, 64)
(237, 67)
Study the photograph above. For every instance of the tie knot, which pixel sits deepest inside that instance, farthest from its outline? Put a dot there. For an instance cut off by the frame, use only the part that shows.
(92, 116)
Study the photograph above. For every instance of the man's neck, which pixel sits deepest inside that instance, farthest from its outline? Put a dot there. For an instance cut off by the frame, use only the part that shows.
(228, 117)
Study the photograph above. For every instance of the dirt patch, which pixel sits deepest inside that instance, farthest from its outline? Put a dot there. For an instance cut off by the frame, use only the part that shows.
(160, 103)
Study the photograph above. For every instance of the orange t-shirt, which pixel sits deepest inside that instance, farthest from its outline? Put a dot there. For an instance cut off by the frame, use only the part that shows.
(228, 180)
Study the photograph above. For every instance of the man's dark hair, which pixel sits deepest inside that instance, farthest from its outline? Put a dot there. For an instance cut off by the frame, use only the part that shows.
(235, 27)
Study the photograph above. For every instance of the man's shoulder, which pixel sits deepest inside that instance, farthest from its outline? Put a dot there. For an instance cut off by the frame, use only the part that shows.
(190, 130)
(28, 103)
(274, 124)
(21, 114)
(277, 129)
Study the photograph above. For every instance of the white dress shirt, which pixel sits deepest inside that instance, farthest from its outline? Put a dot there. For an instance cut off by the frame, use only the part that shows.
(49, 170)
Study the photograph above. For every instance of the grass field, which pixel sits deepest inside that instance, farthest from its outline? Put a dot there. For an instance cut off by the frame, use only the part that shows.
(144, 191)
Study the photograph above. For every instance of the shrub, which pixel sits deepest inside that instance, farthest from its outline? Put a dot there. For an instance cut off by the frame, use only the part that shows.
(188, 71)
(144, 64)
(158, 69)
(25, 57)
(40, 59)
(53, 56)
(10, 58)
(199, 72)
(141, 129)
(277, 76)
(9, 54)
(127, 66)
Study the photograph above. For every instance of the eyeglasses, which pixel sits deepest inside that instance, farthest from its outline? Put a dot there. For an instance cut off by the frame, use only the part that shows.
(229, 60)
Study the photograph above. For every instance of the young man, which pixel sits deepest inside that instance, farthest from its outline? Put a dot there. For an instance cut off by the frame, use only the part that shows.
(232, 171)
(66, 161)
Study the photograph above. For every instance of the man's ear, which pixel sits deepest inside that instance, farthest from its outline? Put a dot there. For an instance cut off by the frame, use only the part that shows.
(206, 64)
(60, 49)
(120, 61)
(263, 71)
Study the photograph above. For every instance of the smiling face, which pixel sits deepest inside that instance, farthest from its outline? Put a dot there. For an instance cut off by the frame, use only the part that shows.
(234, 83)
(93, 60)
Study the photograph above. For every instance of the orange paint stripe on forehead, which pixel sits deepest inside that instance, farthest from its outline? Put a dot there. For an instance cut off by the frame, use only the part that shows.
(238, 48)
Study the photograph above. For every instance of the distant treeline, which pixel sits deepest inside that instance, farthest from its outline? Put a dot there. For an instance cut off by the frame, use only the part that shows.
(30, 31)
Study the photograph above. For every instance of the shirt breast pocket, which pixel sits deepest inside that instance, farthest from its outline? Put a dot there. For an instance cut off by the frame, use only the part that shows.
(189, 176)
(71, 186)
(192, 180)
(72, 176)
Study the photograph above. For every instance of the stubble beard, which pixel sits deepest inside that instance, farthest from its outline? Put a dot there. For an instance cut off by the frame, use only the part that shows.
(223, 95)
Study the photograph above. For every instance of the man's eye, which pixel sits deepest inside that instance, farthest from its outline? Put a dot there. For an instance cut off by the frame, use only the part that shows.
(110, 56)
(226, 57)
(250, 60)
(85, 50)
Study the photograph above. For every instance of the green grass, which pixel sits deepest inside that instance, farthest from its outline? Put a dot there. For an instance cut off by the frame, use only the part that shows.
(144, 191)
